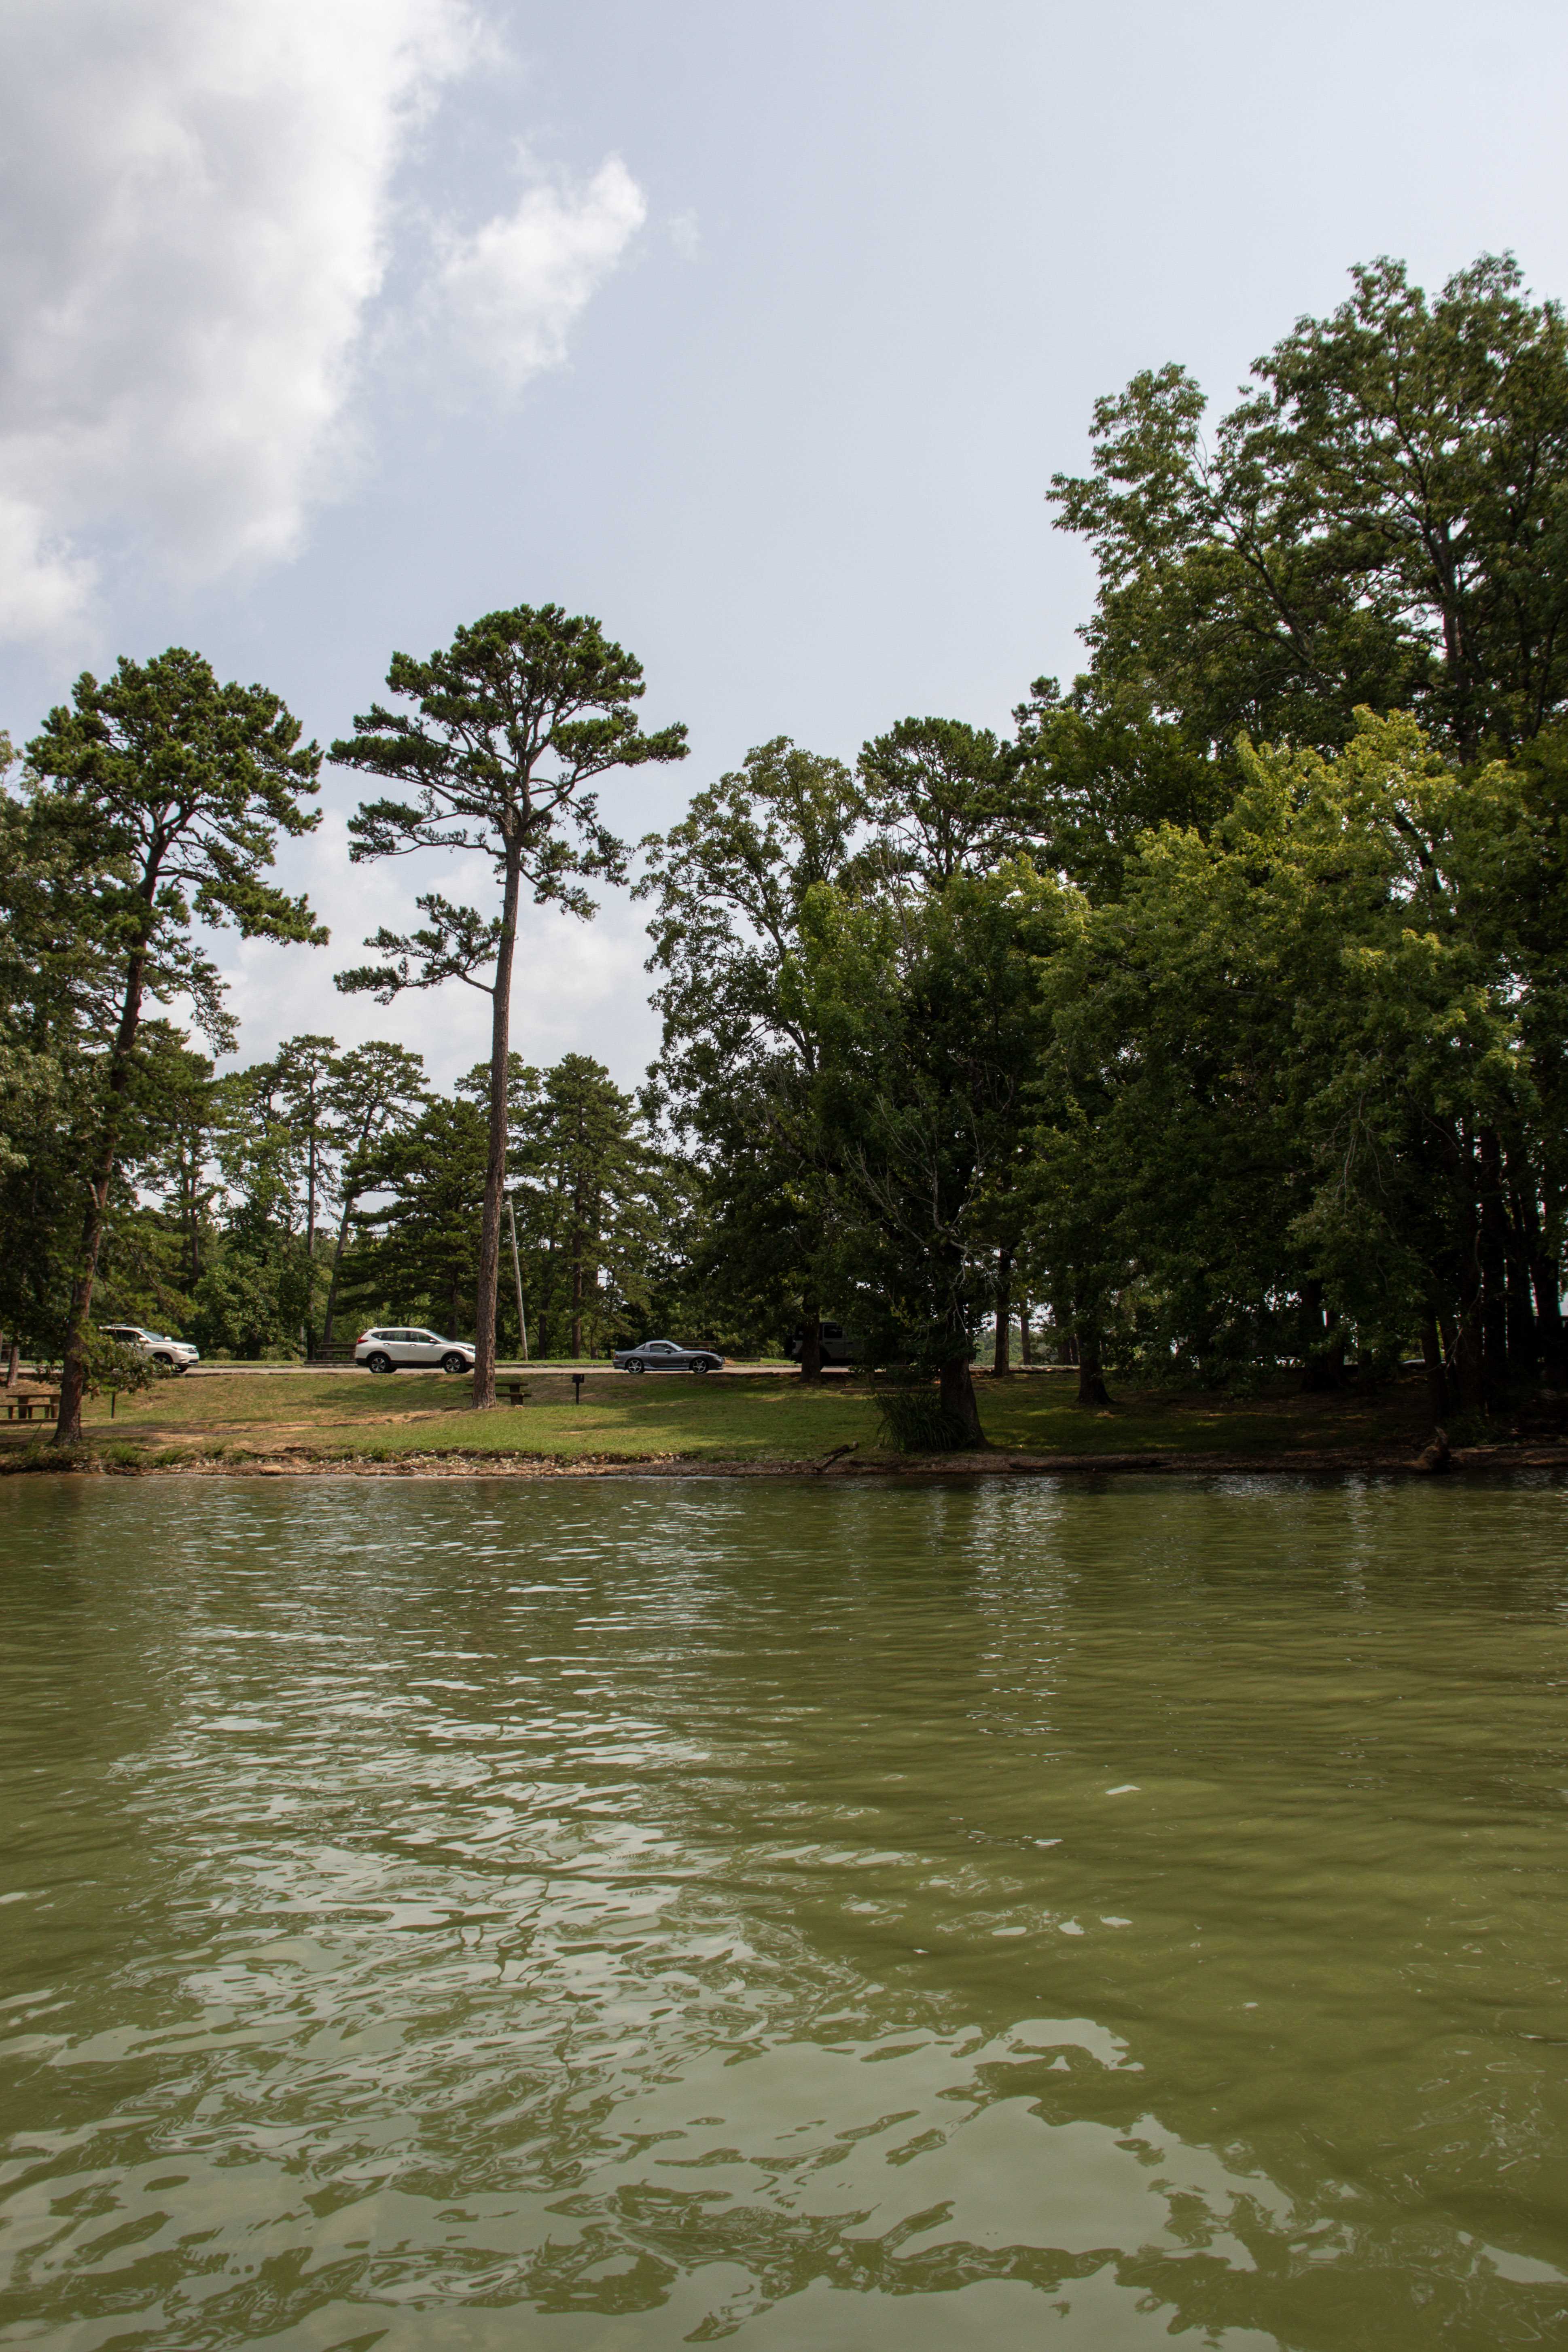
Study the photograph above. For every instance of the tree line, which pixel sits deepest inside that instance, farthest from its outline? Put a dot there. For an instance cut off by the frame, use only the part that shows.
(1218, 1013)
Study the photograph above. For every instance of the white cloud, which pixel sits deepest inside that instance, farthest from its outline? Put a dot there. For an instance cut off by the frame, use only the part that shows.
(196, 198)
(197, 208)
(577, 988)
(510, 293)
(42, 586)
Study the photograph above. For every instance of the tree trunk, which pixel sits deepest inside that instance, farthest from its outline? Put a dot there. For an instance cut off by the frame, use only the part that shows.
(1493, 1263)
(311, 1183)
(1432, 1357)
(1063, 1342)
(1523, 1356)
(1092, 1388)
(310, 1229)
(1322, 1351)
(1464, 1351)
(13, 1363)
(1546, 1277)
(327, 1320)
(958, 1399)
(1469, 1354)
(1026, 1337)
(811, 1341)
(193, 1223)
(1524, 1336)
(73, 1370)
(495, 1166)
(1000, 1364)
(578, 1293)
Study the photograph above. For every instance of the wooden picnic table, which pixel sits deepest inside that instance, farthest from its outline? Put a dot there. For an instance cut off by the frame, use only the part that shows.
(41, 1404)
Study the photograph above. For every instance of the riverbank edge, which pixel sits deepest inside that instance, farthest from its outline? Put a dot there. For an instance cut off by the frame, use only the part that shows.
(1325, 1461)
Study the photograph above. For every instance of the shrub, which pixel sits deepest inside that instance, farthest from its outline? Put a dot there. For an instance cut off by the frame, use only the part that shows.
(915, 1420)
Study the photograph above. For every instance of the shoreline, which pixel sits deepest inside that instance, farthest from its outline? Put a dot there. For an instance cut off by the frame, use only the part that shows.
(288, 1462)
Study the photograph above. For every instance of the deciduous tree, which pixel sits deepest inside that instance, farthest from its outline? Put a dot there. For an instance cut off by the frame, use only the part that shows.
(1383, 521)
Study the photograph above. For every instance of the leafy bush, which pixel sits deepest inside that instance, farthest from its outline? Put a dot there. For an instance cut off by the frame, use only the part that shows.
(915, 1420)
(110, 1365)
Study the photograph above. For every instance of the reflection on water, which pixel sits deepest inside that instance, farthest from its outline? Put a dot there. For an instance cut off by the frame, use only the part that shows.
(633, 1915)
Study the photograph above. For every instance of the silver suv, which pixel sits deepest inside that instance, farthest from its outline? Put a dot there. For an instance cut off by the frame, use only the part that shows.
(394, 1347)
(174, 1355)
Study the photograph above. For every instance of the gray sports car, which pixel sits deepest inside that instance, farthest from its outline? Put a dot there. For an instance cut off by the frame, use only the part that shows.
(664, 1356)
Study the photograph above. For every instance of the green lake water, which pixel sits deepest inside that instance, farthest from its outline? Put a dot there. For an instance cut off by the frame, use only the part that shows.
(898, 1918)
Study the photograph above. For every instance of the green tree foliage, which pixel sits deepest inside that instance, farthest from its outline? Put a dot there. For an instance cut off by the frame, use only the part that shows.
(510, 726)
(47, 999)
(942, 799)
(1299, 1081)
(1383, 521)
(1098, 769)
(1224, 1008)
(589, 1197)
(842, 1011)
(735, 1080)
(373, 1091)
(923, 1005)
(166, 793)
(417, 1255)
(590, 1203)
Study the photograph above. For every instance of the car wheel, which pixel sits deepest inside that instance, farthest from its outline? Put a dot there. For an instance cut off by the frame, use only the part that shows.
(167, 1361)
(379, 1363)
(702, 1365)
(453, 1363)
(636, 1368)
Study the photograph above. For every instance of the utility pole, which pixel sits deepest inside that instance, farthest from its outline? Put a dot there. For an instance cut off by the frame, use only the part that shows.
(517, 1275)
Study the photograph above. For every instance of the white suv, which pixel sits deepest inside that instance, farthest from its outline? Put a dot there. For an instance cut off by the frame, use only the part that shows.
(388, 1348)
(175, 1355)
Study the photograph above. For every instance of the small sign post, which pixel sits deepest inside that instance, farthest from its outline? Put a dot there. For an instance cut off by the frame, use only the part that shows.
(577, 1381)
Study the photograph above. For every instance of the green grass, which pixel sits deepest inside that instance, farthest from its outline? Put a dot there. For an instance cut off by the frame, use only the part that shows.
(744, 1417)
(759, 1417)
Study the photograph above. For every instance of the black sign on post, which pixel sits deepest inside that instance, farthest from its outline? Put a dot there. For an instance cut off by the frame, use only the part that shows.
(577, 1381)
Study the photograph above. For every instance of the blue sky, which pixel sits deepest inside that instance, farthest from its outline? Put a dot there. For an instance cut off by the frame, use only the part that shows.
(326, 325)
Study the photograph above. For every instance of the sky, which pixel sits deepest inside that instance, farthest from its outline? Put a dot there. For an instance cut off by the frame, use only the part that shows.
(329, 325)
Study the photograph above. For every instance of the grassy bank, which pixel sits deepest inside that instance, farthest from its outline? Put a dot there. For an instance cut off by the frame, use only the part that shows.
(311, 1416)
